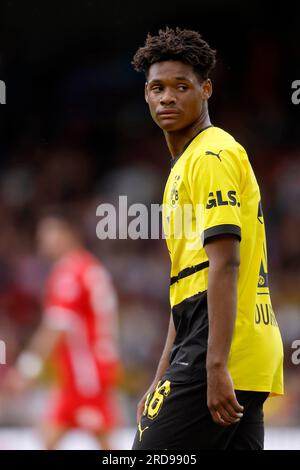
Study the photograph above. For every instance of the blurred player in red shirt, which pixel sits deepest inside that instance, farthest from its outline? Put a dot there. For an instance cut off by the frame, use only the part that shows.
(80, 331)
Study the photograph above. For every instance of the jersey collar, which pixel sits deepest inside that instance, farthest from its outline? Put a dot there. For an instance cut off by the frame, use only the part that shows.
(174, 160)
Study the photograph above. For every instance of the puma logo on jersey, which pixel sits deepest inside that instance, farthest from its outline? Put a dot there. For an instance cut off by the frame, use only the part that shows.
(208, 152)
(142, 430)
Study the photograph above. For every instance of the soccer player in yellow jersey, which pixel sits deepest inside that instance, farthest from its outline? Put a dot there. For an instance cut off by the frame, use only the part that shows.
(223, 354)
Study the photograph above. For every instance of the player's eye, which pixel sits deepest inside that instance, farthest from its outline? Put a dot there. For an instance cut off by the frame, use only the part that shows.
(182, 87)
(156, 88)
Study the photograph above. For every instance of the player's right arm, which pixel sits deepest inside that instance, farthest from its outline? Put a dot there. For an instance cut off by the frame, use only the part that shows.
(161, 368)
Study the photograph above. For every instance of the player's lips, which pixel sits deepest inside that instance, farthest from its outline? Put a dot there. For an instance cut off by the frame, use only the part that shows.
(168, 113)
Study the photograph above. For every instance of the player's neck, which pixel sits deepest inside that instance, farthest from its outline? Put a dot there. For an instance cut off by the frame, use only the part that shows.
(178, 140)
(69, 250)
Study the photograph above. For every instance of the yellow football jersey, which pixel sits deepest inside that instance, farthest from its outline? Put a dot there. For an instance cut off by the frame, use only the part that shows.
(212, 190)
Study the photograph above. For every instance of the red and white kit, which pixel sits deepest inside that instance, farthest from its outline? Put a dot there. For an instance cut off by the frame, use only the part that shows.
(80, 300)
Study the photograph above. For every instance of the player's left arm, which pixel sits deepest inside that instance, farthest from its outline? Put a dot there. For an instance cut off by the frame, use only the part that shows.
(217, 189)
(224, 259)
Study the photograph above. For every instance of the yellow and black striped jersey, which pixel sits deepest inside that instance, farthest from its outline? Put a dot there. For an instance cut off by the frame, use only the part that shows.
(212, 190)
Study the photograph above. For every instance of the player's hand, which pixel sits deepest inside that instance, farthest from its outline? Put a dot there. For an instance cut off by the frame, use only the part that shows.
(14, 382)
(221, 399)
(141, 403)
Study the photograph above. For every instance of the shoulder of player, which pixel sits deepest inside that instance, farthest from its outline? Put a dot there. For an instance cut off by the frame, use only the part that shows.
(70, 265)
(60, 273)
(219, 146)
(93, 271)
(84, 271)
(222, 156)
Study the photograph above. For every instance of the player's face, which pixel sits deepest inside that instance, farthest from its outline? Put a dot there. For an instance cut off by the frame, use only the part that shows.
(175, 95)
(51, 238)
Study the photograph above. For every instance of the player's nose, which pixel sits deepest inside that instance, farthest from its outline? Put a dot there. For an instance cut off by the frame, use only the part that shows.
(167, 98)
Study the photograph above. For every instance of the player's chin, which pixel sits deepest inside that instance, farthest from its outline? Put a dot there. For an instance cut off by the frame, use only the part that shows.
(170, 125)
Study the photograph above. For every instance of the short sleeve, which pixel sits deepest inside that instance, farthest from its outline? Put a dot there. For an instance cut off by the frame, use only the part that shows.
(215, 182)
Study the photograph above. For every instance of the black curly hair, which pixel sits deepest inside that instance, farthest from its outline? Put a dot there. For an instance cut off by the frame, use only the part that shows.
(183, 45)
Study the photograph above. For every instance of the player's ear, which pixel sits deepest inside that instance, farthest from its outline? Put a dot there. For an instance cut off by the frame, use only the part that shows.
(146, 92)
(206, 89)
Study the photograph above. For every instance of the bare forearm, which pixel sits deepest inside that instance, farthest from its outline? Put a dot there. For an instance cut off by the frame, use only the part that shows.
(224, 259)
(164, 360)
(222, 302)
(31, 360)
(44, 341)
(162, 366)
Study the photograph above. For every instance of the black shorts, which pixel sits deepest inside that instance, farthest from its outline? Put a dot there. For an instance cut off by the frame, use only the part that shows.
(177, 418)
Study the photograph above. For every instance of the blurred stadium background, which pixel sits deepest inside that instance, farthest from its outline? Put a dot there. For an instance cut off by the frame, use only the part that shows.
(75, 130)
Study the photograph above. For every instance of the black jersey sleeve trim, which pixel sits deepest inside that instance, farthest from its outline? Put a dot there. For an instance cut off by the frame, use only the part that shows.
(224, 229)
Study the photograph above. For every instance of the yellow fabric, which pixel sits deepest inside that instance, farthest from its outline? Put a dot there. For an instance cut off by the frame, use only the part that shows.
(212, 189)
